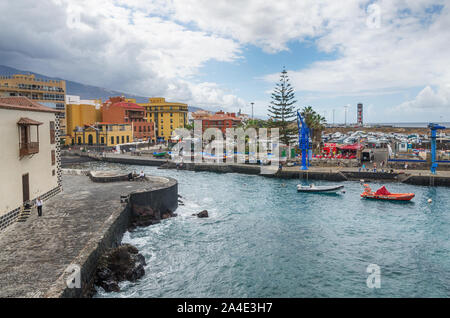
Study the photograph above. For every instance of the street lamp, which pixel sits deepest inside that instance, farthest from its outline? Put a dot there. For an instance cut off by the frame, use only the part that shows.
(345, 122)
(252, 108)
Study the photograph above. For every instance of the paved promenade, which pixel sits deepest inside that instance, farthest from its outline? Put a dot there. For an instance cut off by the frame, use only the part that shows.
(34, 254)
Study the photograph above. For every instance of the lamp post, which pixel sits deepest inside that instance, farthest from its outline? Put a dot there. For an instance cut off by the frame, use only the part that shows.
(252, 108)
(345, 110)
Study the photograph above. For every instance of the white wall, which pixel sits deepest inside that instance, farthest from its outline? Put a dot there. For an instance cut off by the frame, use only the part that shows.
(39, 166)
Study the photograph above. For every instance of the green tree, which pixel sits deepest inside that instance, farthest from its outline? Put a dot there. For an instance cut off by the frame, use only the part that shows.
(281, 109)
(315, 122)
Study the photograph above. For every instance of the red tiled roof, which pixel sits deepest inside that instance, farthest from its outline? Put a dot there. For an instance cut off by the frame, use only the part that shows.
(128, 105)
(24, 103)
(221, 117)
(28, 121)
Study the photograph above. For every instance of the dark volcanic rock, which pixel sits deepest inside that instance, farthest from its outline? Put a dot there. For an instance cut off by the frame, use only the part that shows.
(121, 263)
(145, 216)
(203, 214)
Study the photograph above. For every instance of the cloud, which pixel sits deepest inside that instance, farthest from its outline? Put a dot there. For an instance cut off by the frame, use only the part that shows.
(118, 45)
(159, 47)
(429, 103)
(406, 49)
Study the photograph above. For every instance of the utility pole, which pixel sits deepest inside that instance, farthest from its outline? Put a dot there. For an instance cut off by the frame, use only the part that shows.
(345, 110)
(252, 108)
(333, 116)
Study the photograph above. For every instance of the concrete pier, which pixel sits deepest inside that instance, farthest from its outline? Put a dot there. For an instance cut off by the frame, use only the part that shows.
(416, 177)
(76, 228)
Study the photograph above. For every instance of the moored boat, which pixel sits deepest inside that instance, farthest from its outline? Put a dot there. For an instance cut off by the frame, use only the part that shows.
(324, 189)
(384, 194)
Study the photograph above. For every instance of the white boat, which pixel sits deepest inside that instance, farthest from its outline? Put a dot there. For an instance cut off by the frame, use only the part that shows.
(313, 188)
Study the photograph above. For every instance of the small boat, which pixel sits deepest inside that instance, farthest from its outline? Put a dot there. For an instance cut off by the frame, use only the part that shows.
(159, 154)
(325, 189)
(383, 194)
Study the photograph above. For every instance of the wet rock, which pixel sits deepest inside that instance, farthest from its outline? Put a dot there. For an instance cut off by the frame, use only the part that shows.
(146, 216)
(202, 214)
(119, 264)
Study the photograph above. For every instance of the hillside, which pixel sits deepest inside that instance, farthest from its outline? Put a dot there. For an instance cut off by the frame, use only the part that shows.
(82, 90)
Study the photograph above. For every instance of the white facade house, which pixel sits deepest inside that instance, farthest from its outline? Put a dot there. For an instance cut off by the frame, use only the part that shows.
(30, 155)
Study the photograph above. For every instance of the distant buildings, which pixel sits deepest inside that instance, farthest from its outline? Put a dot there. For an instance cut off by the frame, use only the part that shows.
(118, 110)
(80, 113)
(167, 116)
(219, 120)
(50, 93)
(103, 134)
(30, 154)
(360, 114)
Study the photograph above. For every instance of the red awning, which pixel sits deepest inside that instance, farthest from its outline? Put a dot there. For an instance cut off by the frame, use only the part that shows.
(351, 147)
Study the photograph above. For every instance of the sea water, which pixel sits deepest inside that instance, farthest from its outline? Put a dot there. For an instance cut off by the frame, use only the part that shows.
(263, 239)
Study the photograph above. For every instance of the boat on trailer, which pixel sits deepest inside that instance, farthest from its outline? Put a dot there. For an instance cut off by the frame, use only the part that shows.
(319, 189)
(384, 194)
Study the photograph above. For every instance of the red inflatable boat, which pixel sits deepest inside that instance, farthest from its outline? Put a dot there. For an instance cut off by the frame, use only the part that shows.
(383, 194)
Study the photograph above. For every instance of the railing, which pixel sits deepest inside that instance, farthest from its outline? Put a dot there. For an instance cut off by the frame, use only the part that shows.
(29, 148)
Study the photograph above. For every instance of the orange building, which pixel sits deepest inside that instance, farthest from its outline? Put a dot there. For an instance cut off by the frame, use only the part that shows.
(119, 111)
(220, 120)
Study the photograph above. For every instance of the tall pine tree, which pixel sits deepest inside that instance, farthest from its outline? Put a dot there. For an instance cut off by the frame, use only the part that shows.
(282, 112)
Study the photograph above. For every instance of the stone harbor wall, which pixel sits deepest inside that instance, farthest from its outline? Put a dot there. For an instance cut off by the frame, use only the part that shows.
(161, 199)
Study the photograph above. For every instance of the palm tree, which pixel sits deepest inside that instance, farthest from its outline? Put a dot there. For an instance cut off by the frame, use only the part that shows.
(315, 122)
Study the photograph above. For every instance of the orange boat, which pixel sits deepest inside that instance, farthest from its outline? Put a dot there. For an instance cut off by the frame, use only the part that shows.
(383, 194)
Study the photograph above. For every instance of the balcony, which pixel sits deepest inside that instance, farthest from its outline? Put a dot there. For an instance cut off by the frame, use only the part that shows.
(29, 148)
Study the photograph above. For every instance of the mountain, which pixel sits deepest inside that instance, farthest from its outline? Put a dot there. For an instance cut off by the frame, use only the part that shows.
(82, 90)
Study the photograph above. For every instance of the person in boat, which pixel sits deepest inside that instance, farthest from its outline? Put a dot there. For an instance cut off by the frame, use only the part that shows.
(142, 175)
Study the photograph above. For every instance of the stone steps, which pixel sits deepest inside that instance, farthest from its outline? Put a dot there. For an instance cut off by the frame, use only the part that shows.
(24, 214)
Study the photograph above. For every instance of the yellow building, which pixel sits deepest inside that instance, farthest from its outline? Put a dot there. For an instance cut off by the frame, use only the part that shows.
(50, 93)
(167, 116)
(103, 134)
(80, 113)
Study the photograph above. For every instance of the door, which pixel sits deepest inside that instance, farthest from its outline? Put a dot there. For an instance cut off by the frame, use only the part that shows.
(26, 187)
(23, 135)
(90, 140)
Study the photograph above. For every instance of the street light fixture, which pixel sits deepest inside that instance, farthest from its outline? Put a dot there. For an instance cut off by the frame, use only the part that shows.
(252, 108)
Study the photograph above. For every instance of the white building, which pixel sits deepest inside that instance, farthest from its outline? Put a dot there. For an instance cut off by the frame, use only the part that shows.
(30, 155)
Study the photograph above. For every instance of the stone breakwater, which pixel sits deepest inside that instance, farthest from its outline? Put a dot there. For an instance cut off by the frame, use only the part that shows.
(79, 226)
(414, 177)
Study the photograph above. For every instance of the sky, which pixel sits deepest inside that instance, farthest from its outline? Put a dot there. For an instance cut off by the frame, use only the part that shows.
(392, 56)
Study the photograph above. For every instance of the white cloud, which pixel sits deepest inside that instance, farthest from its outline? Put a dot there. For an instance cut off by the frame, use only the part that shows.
(429, 103)
(158, 47)
(120, 45)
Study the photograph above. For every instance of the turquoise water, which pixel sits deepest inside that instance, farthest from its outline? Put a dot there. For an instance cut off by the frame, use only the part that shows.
(263, 239)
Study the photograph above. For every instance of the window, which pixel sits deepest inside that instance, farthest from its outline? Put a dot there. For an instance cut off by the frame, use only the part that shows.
(128, 138)
(117, 138)
(171, 115)
(134, 128)
(52, 132)
(140, 128)
(53, 172)
(103, 140)
(53, 158)
(123, 139)
(112, 140)
(79, 140)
